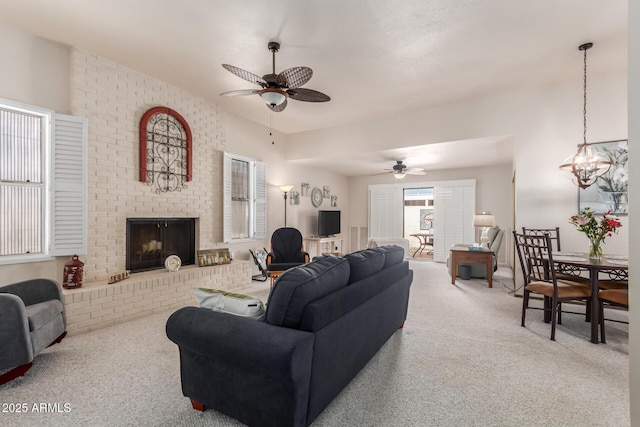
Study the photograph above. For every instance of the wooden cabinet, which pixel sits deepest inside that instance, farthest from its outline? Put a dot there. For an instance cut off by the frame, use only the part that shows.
(317, 246)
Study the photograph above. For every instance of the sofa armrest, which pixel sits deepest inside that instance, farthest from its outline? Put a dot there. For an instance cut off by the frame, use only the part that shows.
(243, 367)
(16, 346)
(34, 291)
(238, 340)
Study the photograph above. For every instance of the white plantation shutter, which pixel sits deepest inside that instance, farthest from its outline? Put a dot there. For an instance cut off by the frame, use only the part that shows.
(227, 211)
(386, 210)
(260, 201)
(69, 186)
(454, 205)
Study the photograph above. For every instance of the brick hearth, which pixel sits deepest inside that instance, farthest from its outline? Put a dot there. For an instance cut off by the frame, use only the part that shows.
(99, 304)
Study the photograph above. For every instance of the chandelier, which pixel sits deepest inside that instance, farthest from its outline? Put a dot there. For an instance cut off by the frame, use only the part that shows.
(586, 165)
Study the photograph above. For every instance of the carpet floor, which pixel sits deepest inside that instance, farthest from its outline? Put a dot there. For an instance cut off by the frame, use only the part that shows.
(462, 359)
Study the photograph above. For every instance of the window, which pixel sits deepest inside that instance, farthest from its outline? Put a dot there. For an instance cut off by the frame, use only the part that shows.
(42, 183)
(245, 195)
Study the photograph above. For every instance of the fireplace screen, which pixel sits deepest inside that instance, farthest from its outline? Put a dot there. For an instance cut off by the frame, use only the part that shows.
(151, 240)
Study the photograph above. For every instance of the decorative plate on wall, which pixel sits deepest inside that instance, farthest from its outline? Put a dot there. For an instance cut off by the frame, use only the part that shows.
(316, 197)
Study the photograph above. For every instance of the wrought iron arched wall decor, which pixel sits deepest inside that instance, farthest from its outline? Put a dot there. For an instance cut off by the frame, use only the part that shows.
(165, 150)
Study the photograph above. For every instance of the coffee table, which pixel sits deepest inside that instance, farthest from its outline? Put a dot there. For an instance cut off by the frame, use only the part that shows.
(460, 254)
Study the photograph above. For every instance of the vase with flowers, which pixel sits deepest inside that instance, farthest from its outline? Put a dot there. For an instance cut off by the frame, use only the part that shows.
(595, 230)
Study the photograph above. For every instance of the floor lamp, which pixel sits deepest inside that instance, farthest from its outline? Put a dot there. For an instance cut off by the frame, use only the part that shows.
(285, 189)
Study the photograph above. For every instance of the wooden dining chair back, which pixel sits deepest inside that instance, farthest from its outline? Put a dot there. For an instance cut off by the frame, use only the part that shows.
(611, 297)
(554, 234)
(536, 260)
(563, 271)
(614, 279)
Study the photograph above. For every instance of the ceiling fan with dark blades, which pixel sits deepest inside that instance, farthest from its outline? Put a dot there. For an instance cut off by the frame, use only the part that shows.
(400, 170)
(276, 88)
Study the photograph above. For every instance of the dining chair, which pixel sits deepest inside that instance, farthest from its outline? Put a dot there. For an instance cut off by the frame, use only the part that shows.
(614, 279)
(611, 297)
(554, 234)
(564, 272)
(536, 258)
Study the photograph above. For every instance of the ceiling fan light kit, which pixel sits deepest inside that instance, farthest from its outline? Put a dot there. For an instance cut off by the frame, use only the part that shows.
(587, 164)
(399, 175)
(277, 88)
(400, 170)
(273, 96)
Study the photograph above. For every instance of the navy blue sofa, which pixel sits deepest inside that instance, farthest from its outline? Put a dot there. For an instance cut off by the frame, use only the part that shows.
(324, 321)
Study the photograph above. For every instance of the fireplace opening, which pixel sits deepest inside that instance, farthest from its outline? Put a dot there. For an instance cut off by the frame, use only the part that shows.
(151, 240)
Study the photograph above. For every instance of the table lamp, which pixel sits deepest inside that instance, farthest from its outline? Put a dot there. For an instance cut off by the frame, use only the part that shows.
(484, 221)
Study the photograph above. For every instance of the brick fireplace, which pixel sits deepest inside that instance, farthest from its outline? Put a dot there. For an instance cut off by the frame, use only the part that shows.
(114, 98)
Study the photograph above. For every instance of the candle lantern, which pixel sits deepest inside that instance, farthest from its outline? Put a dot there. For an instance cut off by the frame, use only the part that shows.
(73, 271)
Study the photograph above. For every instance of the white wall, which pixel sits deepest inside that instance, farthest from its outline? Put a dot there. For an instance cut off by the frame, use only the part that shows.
(634, 177)
(34, 70)
(546, 125)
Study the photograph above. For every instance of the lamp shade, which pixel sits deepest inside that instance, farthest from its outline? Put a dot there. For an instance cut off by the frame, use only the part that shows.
(286, 188)
(273, 96)
(484, 219)
(399, 175)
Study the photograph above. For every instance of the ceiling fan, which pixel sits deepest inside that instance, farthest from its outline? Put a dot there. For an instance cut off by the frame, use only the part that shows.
(400, 170)
(276, 88)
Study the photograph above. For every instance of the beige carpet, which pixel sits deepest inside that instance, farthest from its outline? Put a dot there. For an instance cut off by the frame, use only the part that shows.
(462, 359)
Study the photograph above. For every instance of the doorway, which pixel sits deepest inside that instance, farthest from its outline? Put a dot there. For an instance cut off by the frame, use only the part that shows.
(418, 221)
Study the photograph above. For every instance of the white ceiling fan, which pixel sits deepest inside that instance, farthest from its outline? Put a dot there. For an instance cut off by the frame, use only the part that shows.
(400, 170)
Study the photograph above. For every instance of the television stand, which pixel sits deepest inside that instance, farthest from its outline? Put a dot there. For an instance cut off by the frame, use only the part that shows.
(317, 246)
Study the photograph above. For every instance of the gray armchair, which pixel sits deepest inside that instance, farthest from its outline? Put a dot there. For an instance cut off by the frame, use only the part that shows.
(32, 318)
(495, 236)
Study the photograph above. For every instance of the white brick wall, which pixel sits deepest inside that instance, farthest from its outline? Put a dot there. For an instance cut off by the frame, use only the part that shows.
(99, 304)
(114, 98)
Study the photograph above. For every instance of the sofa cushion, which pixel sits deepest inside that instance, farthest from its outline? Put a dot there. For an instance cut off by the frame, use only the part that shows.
(42, 313)
(364, 263)
(299, 286)
(231, 303)
(393, 254)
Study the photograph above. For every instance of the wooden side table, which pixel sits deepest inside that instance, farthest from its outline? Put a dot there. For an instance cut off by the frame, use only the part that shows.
(460, 254)
(274, 274)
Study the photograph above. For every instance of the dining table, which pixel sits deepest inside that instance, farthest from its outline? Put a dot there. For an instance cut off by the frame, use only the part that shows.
(425, 239)
(613, 266)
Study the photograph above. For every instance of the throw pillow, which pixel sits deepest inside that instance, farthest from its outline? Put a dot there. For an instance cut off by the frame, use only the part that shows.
(230, 303)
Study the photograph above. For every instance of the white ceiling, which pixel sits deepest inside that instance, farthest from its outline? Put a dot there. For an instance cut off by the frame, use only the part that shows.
(373, 58)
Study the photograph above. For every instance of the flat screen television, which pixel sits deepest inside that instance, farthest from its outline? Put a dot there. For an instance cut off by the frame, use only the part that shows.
(328, 223)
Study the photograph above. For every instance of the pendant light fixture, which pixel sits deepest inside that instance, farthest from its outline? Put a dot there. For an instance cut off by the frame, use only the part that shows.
(587, 164)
